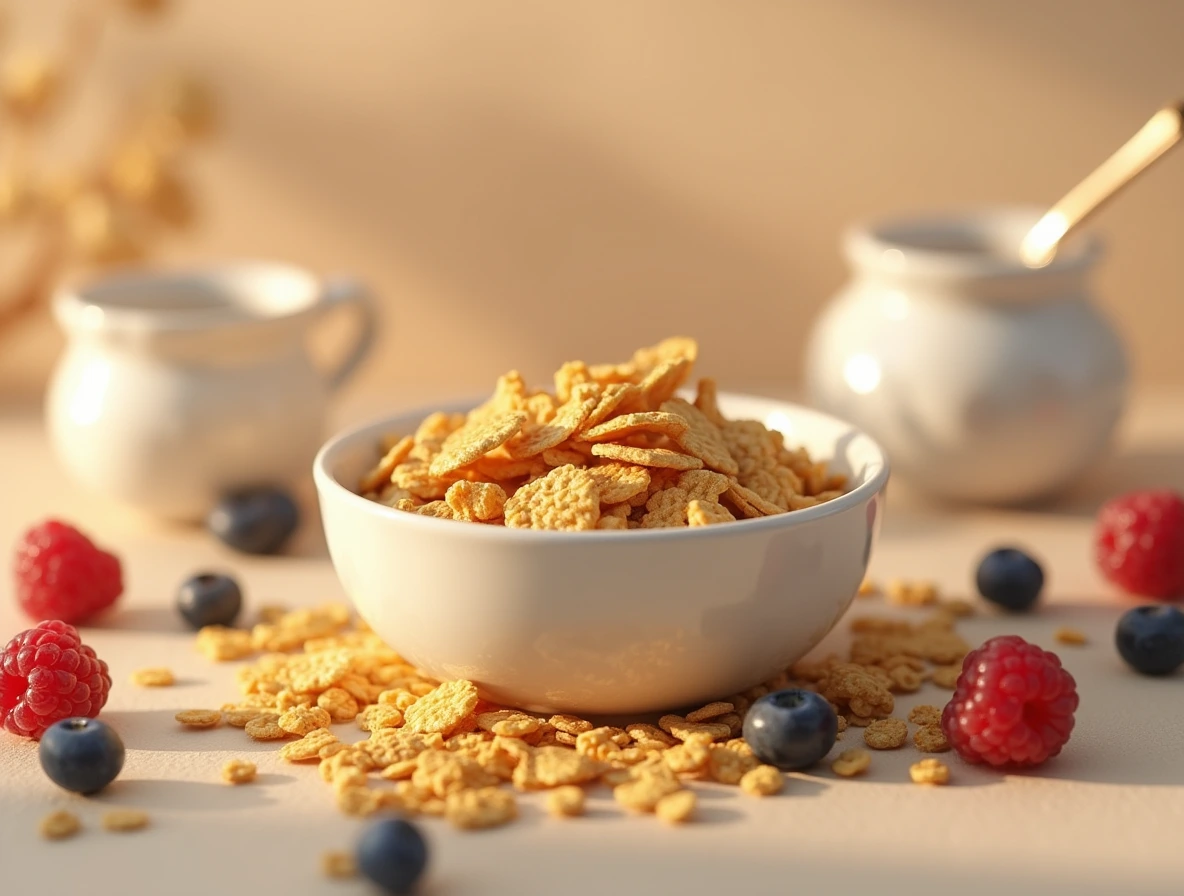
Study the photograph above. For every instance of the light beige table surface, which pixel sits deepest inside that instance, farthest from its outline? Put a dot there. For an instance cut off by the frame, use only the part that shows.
(1107, 817)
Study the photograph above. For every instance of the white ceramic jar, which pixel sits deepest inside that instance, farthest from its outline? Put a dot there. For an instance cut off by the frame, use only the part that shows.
(985, 380)
(177, 387)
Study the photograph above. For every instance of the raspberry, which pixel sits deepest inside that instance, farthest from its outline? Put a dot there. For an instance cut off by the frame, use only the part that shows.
(47, 674)
(1139, 543)
(1013, 705)
(60, 574)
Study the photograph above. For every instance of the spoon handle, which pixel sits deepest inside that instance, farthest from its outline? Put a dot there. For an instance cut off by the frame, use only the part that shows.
(1161, 132)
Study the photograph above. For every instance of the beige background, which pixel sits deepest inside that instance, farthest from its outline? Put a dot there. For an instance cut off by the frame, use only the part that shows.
(527, 181)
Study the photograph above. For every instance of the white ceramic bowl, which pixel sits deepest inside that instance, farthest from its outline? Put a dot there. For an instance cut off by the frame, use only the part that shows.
(606, 622)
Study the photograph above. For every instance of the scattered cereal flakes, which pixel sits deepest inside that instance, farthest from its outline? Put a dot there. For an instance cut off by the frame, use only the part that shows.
(238, 771)
(666, 509)
(358, 801)
(59, 825)
(300, 720)
(597, 743)
(221, 644)
(443, 772)
(566, 802)
(925, 714)
(443, 709)
(647, 786)
(265, 727)
(508, 722)
(842, 720)
(380, 715)
(929, 771)
(485, 807)
(439, 510)
(710, 711)
(946, 676)
(708, 513)
(957, 607)
(1072, 636)
(728, 766)
(239, 718)
(566, 499)
(911, 594)
(764, 780)
(851, 762)
(339, 865)
(677, 807)
(905, 679)
(886, 734)
(612, 397)
(641, 732)
(122, 820)
(474, 439)
(547, 767)
(931, 739)
(659, 422)
(662, 458)
(309, 746)
(380, 475)
(751, 504)
(154, 678)
(617, 482)
(199, 718)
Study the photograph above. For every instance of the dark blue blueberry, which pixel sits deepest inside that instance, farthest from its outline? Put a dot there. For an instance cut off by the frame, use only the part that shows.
(393, 854)
(791, 729)
(80, 754)
(1010, 578)
(1151, 639)
(256, 521)
(209, 598)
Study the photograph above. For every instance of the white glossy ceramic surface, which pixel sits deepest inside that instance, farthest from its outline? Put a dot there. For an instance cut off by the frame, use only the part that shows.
(606, 622)
(178, 386)
(983, 379)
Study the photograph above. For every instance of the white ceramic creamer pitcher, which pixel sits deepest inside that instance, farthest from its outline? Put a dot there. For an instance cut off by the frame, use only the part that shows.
(984, 379)
(178, 386)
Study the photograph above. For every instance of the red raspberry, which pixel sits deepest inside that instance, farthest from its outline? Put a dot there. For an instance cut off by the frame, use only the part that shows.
(47, 674)
(60, 574)
(1013, 704)
(1139, 543)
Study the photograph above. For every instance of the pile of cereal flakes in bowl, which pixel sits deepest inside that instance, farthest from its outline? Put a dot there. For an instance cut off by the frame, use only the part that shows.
(613, 441)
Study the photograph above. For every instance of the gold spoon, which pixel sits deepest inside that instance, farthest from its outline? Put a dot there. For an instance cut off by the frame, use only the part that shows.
(1161, 132)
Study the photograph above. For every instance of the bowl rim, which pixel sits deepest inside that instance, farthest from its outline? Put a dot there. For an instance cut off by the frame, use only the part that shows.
(328, 486)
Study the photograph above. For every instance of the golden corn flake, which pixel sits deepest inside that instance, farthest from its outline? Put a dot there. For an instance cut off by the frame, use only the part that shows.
(764, 780)
(947, 676)
(1071, 636)
(931, 739)
(222, 644)
(309, 746)
(443, 709)
(122, 820)
(475, 501)
(702, 438)
(851, 762)
(929, 771)
(482, 808)
(59, 825)
(300, 720)
(566, 802)
(153, 678)
(647, 787)
(265, 728)
(536, 438)
(199, 718)
(710, 711)
(238, 771)
(617, 482)
(677, 807)
(566, 499)
(662, 458)
(925, 714)
(473, 440)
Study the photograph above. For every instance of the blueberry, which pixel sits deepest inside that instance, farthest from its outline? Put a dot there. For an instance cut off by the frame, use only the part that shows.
(80, 754)
(791, 729)
(393, 854)
(1151, 639)
(256, 521)
(209, 598)
(1010, 578)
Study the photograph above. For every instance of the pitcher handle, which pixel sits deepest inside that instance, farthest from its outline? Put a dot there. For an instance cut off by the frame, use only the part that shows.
(341, 292)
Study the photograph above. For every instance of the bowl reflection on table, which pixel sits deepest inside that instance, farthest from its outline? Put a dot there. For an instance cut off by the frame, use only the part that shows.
(606, 622)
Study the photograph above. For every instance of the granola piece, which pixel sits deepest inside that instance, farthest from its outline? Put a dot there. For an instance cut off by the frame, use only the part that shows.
(443, 709)
(238, 771)
(886, 734)
(930, 771)
(647, 457)
(474, 439)
(566, 499)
